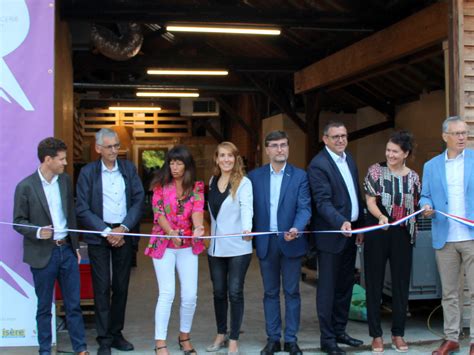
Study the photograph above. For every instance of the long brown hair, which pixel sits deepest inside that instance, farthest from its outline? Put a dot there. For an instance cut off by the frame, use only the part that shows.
(237, 173)
(163, 176)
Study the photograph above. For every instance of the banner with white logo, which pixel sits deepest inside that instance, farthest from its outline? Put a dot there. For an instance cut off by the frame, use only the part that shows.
(26, 117)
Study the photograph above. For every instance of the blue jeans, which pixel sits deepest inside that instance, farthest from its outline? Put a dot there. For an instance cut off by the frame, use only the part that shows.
(63, 267)
(228, 275)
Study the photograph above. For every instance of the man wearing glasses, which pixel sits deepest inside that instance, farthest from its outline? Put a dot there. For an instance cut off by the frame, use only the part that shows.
(333, 178)
(448, 183)
(282, 205)
(110, 198)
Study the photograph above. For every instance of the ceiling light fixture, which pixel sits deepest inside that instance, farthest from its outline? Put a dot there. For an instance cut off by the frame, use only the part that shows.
(134, 108)
(167, 94)
(229, 30)
(186, 72)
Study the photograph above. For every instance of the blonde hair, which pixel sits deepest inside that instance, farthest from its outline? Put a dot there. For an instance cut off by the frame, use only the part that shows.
(237, 173)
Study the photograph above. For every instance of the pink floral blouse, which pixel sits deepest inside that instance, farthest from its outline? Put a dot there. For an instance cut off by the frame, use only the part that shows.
(178, 213)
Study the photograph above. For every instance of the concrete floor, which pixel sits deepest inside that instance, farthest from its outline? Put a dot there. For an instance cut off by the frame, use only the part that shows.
(139, 327)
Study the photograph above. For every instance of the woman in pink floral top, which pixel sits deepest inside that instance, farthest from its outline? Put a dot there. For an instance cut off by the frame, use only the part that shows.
(178, 203)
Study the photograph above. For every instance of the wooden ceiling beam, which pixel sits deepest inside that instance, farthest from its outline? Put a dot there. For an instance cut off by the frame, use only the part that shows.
(370, 100)
(367, 131)
(232, 113)
(406, 62)
(414, 33)
(212, 131)
(174, 59)
(279, 100)
(154, 12)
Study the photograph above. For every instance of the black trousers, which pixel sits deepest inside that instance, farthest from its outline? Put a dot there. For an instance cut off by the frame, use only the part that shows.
(228, 276)
(334, 291)
(110, 309)
(379, 246)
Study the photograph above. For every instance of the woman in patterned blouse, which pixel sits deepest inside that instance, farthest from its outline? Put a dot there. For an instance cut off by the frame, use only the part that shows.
(392, 192)
(178, 203)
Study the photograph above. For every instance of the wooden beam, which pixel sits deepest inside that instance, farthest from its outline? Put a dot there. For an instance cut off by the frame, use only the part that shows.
(454, 58)
(279, 100)
(313, 109)
(236, 117)
(421, 30)
(370, 100)
(367, 131)
(212, 131)
(406, 62)
(156, 12)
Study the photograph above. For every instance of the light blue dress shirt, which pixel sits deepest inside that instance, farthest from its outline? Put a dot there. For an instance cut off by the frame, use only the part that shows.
(114, 199)
(275, 186)
(341, 163)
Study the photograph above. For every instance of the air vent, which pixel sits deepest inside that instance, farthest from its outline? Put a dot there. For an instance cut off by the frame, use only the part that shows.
(199, 107)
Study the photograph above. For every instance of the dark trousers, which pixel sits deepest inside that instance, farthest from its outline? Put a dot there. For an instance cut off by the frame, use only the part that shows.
(334, 291)
(379, 246)
(110, 310)
(275, 269)
(62, 267)
(228, 276)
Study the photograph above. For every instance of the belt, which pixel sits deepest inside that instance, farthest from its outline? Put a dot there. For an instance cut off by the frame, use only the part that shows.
(113, 225)
(61, 242)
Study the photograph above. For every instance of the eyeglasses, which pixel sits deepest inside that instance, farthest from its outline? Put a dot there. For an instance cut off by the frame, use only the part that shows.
(278, 146)
(337, 137)
(110, 147)
(458, 134)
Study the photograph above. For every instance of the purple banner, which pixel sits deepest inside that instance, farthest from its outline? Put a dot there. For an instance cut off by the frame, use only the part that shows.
(26, 117)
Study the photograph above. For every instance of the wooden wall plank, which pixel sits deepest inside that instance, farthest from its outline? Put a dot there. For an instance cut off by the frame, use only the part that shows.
(430, 26)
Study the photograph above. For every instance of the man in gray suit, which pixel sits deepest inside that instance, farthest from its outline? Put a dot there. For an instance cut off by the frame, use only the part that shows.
(44, 199)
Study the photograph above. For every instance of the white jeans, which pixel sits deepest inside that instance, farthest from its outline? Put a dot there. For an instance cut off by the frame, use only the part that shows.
(186, 263)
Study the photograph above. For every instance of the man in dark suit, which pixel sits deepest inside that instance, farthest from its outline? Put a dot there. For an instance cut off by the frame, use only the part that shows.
(337, 205)
(110, 198)
(45, 199)
(282, 203)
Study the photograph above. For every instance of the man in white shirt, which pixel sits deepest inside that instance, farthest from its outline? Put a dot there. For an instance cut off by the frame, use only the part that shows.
(333, 179)
(45, 199)
(110, 198)
(448, 183)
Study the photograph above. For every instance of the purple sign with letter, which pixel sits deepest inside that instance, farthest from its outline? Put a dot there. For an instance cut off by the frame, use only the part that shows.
(26, 117)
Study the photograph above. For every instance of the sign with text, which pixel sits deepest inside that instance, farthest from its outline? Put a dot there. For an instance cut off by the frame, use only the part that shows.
(26, 117)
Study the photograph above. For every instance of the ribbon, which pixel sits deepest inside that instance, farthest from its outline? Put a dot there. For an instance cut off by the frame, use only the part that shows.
(235, 235)
(462, 220)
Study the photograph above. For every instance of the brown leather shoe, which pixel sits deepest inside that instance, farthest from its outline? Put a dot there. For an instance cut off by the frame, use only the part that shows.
(446, 348)
(471, 350)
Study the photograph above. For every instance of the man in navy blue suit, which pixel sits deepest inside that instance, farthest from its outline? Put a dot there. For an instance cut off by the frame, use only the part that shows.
(337, 205)
(282, 205)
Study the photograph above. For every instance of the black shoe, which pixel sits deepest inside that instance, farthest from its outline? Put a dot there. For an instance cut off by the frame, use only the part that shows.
(271, 348)
(346, 339)
(104, 350)
(332, 350)
(292, 348)
(120, 343)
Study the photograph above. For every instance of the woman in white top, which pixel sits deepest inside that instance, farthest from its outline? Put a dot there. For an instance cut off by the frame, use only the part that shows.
(231, 208)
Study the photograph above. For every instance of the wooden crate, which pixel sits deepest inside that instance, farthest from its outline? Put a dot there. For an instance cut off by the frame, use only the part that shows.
(145, 125)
